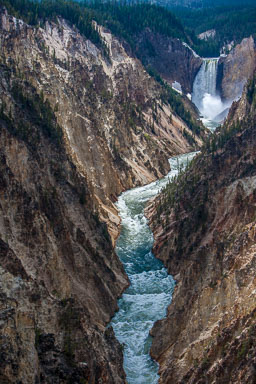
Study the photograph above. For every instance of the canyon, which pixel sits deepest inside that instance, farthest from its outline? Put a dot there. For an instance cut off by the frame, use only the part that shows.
(77, 128)
(80, 123)
(112, 103)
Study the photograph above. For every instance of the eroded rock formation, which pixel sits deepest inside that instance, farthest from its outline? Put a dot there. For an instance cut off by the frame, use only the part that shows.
(116, 129)
(170, 57)
(205, 233)
(236, 68)
(60, 278)
(77, 127)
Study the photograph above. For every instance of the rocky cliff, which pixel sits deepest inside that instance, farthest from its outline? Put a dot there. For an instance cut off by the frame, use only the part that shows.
(117, 128)
(204, 228)
(77, 127)
(236, 68)
(60, 278)
(170, 57)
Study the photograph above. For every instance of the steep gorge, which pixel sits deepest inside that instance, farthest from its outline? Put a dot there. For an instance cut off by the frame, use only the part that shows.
(77, 127)
(60, 278)
(170, 57)
(116, 128)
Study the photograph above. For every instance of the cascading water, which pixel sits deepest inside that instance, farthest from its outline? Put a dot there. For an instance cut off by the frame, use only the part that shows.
(149, 294)
(205, 95)
(205, 81)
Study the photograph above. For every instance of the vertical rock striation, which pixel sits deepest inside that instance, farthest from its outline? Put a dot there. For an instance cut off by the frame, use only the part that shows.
(77, 127)
(236, 68)
(116, 128)
(60, 278)
(174, 60)
(204, 230)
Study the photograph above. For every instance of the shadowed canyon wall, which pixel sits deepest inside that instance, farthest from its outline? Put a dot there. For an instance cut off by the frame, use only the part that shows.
(204, 228)
(116, 128)
(77, 127)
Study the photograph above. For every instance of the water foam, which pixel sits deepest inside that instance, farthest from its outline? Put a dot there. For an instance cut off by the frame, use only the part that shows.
(149, 294)
(212, 107)
(206, 97)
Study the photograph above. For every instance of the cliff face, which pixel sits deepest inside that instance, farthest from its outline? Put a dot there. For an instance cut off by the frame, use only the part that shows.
(60, 278)
(174, 60)
(207, 241)
(236, 68)
(116, 129)
(77, 127)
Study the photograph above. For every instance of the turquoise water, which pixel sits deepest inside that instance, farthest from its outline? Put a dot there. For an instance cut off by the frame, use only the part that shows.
(210, 124)
(150, 292)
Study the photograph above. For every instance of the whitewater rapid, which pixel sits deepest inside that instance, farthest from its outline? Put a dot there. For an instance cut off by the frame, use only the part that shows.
(150, 292)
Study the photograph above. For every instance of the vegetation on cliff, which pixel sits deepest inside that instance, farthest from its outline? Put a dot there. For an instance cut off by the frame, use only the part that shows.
(187, 179)
(38, 12)
(204, 225)
(36, 112)
(124, 21)
(60, 278)
(128, 20)
(231, 22)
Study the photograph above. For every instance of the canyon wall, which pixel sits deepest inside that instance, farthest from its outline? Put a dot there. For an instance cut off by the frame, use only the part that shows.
(116, 127)
(205, 233)
(236, 68)
(170, 57)
(60, 278)
(78, 126)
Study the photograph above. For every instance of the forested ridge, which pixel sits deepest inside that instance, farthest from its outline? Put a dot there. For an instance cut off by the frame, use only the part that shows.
(177, 189)
(231, 22)
(122, 19)
(36, 13)
(125, 21)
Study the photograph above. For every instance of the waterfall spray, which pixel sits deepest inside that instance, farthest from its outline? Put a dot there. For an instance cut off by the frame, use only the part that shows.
(205, 95)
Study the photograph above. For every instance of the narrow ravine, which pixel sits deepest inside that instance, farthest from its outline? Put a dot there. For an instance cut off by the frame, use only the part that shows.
(149, 294)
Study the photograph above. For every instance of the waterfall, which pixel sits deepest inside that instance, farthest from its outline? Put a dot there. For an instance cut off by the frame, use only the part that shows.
(205, 95)
(205, 81)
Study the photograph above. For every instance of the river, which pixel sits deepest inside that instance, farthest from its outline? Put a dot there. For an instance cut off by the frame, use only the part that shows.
(150, 292)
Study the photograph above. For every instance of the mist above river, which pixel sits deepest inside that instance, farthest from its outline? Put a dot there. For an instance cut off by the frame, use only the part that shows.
(213, 108)
(205, 96)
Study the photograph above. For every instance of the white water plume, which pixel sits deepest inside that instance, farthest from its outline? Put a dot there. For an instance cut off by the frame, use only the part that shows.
(212, 107)
(205, 95)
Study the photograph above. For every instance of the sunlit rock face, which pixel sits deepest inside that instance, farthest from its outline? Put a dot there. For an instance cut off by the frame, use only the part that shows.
(236, 68)
(60, 277)
(116, 129)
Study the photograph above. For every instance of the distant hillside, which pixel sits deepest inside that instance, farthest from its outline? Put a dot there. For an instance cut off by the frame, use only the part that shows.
(203, 3)
(233, 20)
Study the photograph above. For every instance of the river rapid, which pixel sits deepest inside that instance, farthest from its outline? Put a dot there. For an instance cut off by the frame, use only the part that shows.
(150, 292)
